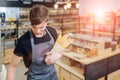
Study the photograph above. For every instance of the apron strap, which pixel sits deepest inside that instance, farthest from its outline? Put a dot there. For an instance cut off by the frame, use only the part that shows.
(31, 38)
(49, 34)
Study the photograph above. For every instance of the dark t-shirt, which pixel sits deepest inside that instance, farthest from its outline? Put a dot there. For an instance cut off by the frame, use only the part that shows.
(23, 47)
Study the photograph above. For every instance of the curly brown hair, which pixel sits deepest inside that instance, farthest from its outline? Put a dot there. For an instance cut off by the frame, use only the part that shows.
(38, 14)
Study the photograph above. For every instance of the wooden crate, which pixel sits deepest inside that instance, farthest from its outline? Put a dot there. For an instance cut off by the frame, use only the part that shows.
(92, 53)
(57, 70)
(73, 77)
(66, 60)
(64, 74)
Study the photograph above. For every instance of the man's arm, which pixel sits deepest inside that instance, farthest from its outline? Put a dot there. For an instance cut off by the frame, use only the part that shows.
(12, 67)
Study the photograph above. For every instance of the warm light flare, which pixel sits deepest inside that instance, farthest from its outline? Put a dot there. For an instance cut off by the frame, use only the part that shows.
(68, 5)
(99, 15)
(56, 6)
(77, 5)
(65, 7)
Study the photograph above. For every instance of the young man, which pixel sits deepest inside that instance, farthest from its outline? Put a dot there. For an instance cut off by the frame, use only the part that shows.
(34, 46)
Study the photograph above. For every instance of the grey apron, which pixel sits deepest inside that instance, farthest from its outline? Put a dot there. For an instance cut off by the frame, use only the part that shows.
(38, 69)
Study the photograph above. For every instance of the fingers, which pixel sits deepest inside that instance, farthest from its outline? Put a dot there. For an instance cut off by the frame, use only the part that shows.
(48, 53)
(49, 60)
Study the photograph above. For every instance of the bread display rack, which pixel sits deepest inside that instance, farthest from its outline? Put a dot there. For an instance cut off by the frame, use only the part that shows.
(88, 62)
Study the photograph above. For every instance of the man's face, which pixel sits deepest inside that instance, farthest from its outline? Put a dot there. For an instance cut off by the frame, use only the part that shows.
(39, 29)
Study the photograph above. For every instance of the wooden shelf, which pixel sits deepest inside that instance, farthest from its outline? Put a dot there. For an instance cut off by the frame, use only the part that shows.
(73, 70)
(86, 60)
(100, 32)
(24, 27)
(55, 24)
(8, 29)
(96, 32)
(91, 67)
(10, 39)
(64, 17)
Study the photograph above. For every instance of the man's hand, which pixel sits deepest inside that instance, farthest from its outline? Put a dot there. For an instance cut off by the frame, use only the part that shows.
(52, 57)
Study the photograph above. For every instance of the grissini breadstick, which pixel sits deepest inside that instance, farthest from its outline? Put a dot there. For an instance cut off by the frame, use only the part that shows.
(62, 42)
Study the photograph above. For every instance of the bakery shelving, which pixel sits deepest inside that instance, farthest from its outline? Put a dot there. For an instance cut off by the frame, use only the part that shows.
(23, 27)
(94, 52)
(107, 27)
(23, 21)
(89, 57)
(9, 32)
(65, 20)
(85, 68)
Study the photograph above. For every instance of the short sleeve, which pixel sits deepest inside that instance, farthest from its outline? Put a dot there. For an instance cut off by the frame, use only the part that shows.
(19, 48)
(53, 32)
